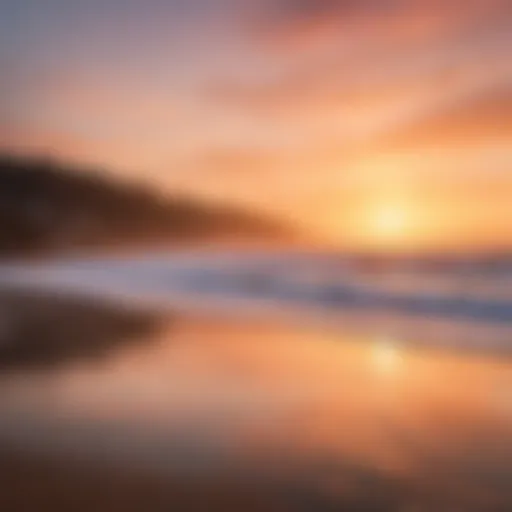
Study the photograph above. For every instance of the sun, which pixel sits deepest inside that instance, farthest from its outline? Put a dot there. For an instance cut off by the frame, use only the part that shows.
(382, 223)
(390, 221)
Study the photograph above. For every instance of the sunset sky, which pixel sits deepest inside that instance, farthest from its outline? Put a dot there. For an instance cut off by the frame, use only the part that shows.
(375, 124)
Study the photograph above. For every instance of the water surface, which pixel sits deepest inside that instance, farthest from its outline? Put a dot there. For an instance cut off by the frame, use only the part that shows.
(317, 412)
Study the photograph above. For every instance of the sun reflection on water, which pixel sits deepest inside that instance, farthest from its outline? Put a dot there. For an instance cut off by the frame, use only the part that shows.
(387, 357)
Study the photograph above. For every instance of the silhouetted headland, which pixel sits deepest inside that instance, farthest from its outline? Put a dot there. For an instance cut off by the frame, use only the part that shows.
(48, 208)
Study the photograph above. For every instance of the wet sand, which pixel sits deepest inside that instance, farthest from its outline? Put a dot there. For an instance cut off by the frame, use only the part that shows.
(189, 412)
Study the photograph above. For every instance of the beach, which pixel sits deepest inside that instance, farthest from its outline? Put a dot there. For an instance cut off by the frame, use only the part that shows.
(203, 411)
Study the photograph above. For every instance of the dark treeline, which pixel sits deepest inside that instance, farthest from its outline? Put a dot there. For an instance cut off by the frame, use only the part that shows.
(46, 207)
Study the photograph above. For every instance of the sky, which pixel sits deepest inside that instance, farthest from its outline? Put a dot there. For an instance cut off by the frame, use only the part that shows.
(373, 124)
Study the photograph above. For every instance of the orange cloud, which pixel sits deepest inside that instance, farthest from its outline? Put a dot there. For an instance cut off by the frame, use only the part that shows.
(297, 24)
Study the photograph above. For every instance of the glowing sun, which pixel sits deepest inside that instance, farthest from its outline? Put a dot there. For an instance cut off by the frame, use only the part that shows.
(390, 221)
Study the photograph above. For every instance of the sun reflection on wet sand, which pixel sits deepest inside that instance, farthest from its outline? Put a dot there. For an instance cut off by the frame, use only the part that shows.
(387, 356)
